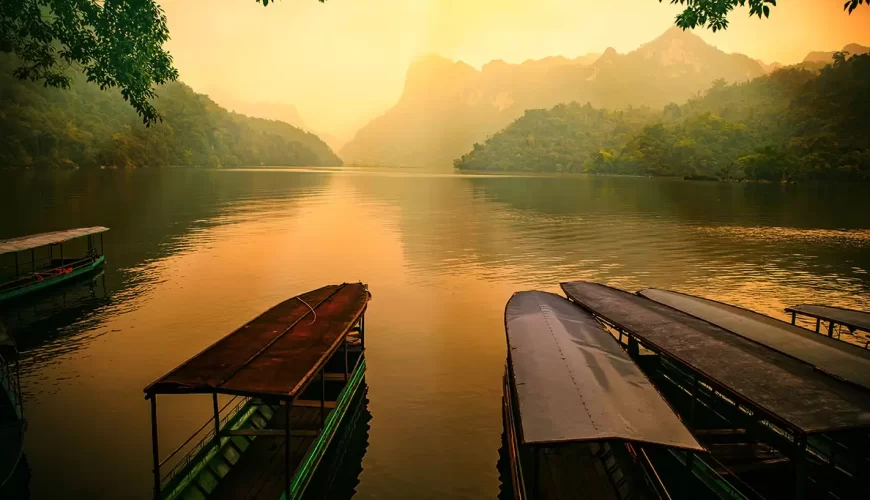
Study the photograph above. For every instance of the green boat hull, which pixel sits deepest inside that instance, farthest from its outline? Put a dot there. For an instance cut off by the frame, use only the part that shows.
(190, 477)
(50, 282)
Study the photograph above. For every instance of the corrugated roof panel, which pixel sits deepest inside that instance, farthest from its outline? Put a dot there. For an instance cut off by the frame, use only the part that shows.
(787, 388)
(276, 352)
(832, 356)
(575, 383)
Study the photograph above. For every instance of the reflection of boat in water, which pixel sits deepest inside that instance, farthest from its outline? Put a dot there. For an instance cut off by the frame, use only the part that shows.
(580, 418)
(32, 272)
(295, 373)
(342, 462)
(47, 316)
(776, 426)
(12, 423)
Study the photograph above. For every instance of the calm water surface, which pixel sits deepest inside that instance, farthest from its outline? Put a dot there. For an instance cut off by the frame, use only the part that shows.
(194, 254)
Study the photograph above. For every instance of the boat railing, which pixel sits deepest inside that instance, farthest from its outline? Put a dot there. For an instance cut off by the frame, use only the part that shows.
(27, 279)
(206, 439)
(653, 478)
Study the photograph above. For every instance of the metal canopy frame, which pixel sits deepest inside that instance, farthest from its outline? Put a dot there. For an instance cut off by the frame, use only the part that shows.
(355, 323)
(834, 316)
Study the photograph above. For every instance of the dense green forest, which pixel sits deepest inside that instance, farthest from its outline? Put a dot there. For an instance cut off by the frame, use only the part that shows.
(85, 127)
(794, 124)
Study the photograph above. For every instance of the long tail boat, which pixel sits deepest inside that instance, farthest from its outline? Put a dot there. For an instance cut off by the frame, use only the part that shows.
(582, 421)
(38, 260)
(12, 423)
(293, 375)
(776, 426)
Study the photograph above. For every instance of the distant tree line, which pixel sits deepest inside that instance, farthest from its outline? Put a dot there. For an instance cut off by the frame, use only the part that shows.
(86, 127)
(792, 125)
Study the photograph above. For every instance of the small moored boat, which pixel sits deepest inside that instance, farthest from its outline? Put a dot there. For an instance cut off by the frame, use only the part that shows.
(38, 260)
(853, 320)
(581, 420)
(293, 374)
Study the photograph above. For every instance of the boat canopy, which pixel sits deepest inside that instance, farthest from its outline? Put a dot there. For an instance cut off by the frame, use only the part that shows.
(788, 390)
(277, 353)
(829, 355)
(43, 239)
(856, 320)
(574, 382)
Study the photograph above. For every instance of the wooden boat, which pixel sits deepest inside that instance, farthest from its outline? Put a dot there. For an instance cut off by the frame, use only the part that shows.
(581, 420)
(840, 359)
(12, 423)
(775, 426)
(45, 264)
(293, 375)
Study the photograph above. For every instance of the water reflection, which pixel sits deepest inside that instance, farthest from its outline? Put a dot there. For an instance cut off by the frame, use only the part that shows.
(194, 254)
(339, 475)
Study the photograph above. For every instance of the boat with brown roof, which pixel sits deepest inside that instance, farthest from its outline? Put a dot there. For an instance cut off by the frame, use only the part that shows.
(290, 376)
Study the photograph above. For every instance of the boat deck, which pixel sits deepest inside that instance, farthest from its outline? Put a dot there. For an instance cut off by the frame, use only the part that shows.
(829, 355)
(259, 475)
(574, 472)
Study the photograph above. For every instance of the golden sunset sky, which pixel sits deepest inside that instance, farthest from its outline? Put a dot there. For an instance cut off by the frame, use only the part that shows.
(343, 62)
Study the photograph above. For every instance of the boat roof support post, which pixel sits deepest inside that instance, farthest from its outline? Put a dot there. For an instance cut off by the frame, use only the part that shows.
(102, 251)
(322, 396)
(217, 421)
(287, 469)
(154, 451)
(17, 274)
(800, 466)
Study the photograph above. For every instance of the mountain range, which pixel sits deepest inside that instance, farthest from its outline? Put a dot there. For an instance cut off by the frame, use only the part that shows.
(827, 57)
(447, 106)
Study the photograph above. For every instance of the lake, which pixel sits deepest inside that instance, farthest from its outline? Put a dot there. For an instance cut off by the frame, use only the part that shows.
(193, 254)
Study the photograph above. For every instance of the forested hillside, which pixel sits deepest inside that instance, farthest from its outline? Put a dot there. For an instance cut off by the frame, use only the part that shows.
(793, 124)
(86, 127)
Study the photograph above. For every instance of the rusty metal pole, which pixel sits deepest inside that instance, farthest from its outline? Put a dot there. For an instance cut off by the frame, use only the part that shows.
(154, 451)
(793, 317)
(831, 329)
(818, 324)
